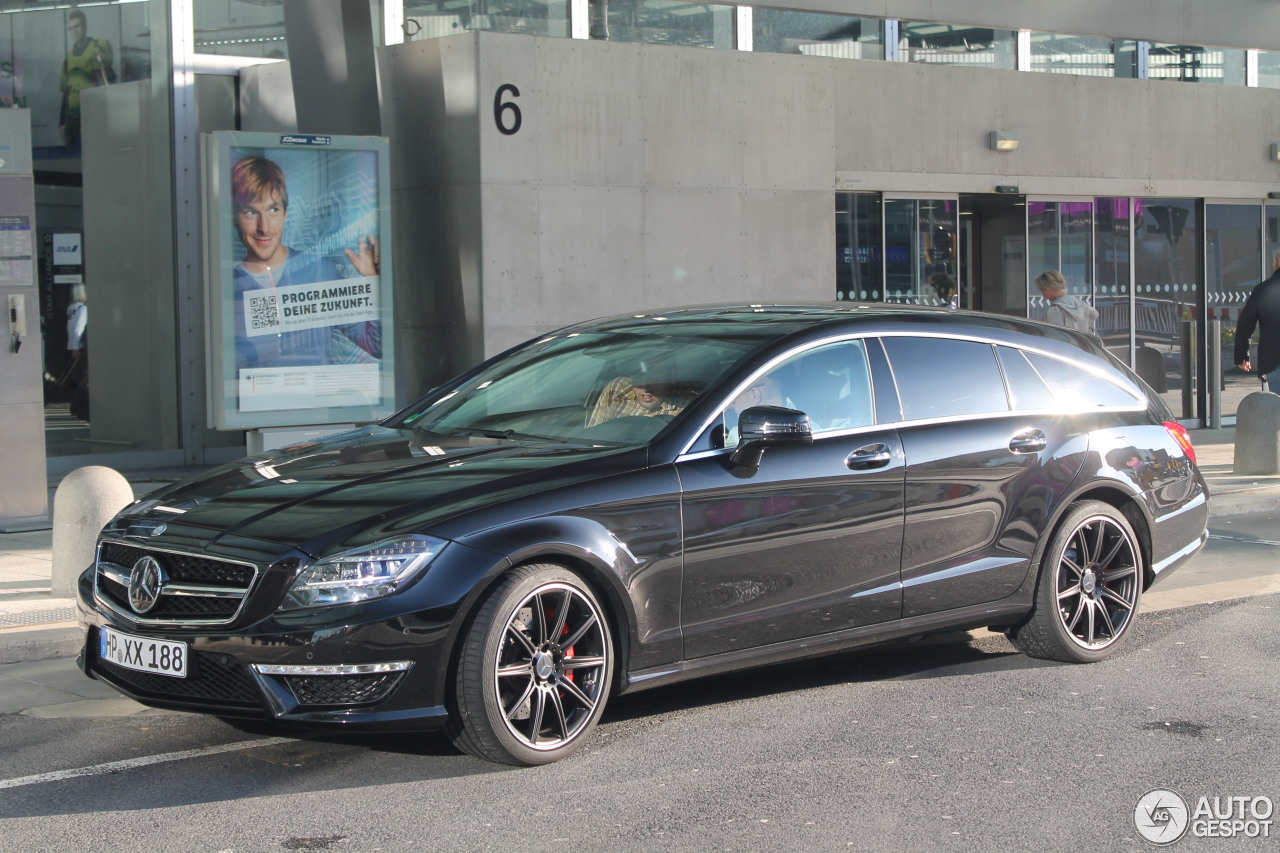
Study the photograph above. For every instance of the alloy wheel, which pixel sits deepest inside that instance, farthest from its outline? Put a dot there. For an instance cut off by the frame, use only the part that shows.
(1098, 582)
(551, 667)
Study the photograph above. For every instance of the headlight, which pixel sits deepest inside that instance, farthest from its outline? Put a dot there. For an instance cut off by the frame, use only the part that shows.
(374, 571)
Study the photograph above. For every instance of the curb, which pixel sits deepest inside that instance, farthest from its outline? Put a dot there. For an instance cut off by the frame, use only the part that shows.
(61, 640)
(1244, 500)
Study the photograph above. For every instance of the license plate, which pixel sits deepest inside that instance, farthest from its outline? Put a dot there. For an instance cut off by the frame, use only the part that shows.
(144, 654)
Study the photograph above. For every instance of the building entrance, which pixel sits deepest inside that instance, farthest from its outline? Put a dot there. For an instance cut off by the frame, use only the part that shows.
(993, 253)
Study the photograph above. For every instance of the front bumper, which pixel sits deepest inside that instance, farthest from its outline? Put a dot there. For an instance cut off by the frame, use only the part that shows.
(379, 664)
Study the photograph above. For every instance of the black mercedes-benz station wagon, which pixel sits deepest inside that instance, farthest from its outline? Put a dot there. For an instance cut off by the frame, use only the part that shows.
(638, 500)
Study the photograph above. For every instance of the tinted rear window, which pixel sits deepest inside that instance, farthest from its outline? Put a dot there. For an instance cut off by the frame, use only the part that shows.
(1026, 388)
(1075, 388)
(941, 378)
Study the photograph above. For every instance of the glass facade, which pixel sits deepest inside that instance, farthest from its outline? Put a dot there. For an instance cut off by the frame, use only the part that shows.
(859, 247)
(1114, 269)
(665, 22)
(1269, 69)
(1167, 253)
(1059, 237)
(1189, 63)
(240, 29)
(811, 34)
(426, 19)
(1233, 267)
(49, 56)
(920, 250)
(947, 44)
(1090, 56)
(76, 70)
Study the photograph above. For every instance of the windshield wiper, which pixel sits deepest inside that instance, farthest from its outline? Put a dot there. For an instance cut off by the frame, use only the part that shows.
(508, 434)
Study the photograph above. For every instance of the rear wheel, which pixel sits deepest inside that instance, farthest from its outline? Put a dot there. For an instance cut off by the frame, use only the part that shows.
(1089, 587)
(534, 670)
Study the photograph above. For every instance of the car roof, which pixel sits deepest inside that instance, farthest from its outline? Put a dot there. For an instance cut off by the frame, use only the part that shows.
(786, 320)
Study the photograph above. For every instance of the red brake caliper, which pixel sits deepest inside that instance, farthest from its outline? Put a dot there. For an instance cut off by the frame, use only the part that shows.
(564, 629)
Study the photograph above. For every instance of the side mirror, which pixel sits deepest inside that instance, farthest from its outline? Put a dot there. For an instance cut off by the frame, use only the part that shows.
(767, 426)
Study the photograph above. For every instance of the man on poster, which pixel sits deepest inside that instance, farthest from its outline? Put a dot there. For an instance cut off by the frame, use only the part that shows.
(89, 63)
(278, 321)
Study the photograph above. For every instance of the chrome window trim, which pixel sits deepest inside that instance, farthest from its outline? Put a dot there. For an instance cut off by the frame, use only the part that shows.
(1139, 404)
(763, 369)
(120, 574)
(922, 422)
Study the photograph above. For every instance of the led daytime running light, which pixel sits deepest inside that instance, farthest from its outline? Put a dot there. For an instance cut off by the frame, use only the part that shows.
(374, 571)
(332, 669)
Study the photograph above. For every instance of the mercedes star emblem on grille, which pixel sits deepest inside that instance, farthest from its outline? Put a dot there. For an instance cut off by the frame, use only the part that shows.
(146, 582)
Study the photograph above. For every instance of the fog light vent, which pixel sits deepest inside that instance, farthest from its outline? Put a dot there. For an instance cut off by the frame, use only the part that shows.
(342, 689)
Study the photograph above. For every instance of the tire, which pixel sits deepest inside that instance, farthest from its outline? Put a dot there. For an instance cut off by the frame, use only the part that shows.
(534, 669)
(1089, 587)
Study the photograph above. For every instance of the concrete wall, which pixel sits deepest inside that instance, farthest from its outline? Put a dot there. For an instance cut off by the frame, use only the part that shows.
(433, 114)
(917, 127)
(644, 176)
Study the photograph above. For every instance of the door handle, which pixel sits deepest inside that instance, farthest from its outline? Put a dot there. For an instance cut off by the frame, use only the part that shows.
(1028, 441)
(871, 456)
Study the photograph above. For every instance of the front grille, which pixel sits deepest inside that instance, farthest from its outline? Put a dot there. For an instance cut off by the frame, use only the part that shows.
(183, 568)
(211, 677)
(341, 689)
(198, 590)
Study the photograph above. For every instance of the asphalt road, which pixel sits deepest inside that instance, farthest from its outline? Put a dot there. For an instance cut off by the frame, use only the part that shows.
(955, 743)
(934, 746)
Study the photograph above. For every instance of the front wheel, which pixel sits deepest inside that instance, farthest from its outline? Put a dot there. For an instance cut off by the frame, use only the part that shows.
(1089, 586)
(534, 669)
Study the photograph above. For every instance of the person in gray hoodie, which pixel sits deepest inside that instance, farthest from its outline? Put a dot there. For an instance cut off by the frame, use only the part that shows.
(1065, 310)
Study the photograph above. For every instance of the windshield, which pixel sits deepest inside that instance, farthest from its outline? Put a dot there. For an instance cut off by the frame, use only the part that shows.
(617, 386)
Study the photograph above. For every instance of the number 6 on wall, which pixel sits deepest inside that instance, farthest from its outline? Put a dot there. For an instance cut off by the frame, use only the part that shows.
(506, 114)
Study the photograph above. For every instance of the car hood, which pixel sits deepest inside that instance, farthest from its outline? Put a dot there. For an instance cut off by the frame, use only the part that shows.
(314, 495)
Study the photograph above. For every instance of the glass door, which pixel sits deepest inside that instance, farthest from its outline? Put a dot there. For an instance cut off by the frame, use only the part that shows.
(921, 248)
(1113, 297)
(1167, 268)
(1234, 265)
(1059, 237)
(859, 250)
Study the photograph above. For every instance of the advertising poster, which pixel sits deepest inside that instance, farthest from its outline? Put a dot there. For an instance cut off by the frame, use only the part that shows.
(299, 279)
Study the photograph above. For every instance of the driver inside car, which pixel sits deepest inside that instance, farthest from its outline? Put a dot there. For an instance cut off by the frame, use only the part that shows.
(645, 396)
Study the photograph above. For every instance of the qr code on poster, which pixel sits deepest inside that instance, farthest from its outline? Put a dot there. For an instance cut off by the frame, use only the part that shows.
(262, 312)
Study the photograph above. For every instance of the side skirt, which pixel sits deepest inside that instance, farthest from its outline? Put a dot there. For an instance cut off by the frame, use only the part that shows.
(1004, 612)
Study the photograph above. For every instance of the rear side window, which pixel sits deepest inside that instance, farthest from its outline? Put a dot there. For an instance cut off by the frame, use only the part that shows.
(1075, 388)
(1026, 389)
(942, 378)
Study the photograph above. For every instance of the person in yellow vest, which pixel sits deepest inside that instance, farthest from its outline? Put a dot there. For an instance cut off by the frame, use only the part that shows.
(88, 64)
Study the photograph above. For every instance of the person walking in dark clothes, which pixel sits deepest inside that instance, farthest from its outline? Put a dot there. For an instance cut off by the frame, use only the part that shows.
(1262, 309)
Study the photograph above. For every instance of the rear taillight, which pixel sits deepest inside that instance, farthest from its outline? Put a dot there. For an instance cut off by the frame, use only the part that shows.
(1179, 433)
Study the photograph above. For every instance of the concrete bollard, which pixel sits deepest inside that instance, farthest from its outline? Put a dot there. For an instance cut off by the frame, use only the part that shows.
(1258, 434)
(85, 501)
